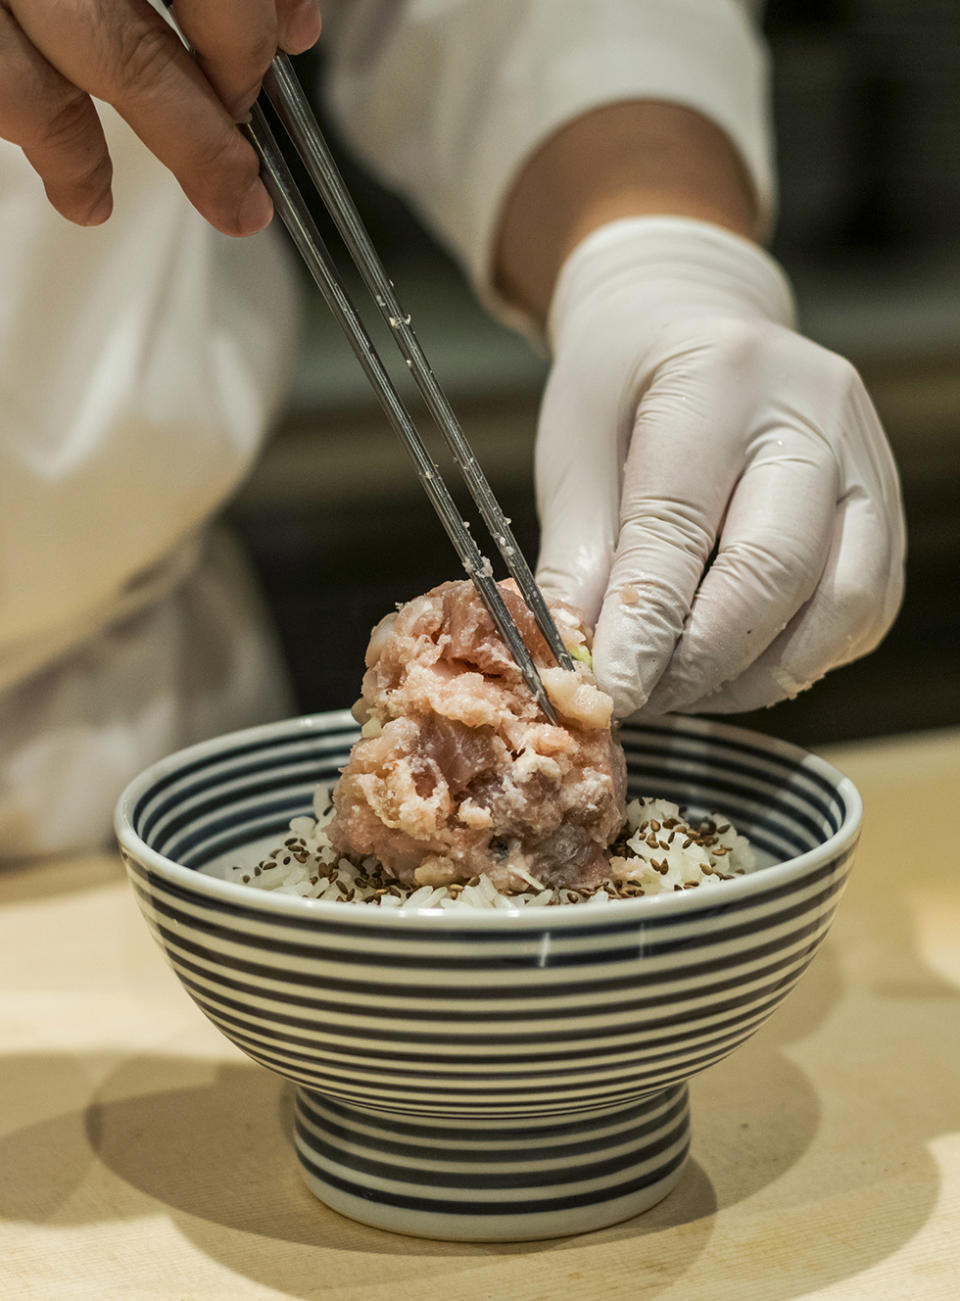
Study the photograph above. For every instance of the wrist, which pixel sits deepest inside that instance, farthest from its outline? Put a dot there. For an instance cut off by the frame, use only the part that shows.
(624, 160)
(682, 265)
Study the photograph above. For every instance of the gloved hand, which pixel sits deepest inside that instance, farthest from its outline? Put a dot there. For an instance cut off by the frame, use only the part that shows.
(715, 491)
(55, 56)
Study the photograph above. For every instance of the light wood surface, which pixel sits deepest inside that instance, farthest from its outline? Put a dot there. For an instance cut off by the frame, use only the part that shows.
(141, 1156)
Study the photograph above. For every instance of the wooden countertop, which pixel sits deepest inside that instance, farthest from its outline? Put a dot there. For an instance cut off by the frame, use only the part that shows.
(141, 1156)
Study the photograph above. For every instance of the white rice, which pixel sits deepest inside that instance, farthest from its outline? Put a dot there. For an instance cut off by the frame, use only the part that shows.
(659, 852)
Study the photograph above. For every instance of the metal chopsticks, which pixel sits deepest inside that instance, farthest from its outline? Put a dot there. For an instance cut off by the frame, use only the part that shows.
(290, 103)
(292, 107)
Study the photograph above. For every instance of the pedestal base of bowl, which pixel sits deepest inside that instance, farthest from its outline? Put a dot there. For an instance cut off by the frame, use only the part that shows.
(509, 1179)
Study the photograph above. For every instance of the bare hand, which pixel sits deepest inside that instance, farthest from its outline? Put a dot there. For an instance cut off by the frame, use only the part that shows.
(55, 55)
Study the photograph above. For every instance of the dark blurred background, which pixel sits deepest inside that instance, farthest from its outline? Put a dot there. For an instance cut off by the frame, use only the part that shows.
(867, 112)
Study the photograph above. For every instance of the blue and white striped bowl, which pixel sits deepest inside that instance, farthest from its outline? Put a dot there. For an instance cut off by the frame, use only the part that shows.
(490, 1075)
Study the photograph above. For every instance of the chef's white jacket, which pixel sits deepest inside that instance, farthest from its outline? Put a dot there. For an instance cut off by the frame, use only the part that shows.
(142, 363)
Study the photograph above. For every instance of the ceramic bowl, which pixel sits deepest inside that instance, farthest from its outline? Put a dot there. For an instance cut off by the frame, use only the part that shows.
(488, 1075)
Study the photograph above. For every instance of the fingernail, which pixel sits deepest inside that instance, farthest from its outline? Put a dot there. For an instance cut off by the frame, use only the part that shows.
(256, 210)
(302, 28)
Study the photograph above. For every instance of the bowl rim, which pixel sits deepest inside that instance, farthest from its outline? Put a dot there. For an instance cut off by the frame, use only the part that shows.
(739, 889)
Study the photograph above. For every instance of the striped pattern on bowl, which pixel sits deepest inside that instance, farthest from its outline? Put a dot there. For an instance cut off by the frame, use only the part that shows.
(491, 1075)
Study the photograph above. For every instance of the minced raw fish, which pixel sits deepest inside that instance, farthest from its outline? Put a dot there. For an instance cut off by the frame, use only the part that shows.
(460, 793)
(459, 773)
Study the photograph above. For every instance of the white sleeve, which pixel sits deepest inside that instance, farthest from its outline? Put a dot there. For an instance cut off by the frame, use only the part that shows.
(140, 365)
(445, 99)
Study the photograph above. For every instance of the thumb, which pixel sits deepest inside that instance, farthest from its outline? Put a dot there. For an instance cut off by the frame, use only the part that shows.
(578, 467)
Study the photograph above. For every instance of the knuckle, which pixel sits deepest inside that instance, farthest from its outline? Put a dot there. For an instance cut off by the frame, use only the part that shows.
(896, 591)
(94, 184)
(235, 62)
(226, 176)
(856, 606)
(68, 125)
(226, 156)
(145, 56)
(843, 372)
(676, 524)
(736, 339)
(660, 602)
(259, 48)
(222, 171)
(72, 157)
(90, 186)
(883, 610)
(779, 566)
(871, 640)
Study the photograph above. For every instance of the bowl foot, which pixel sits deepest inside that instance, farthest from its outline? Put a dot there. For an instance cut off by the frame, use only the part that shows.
(501, 1179)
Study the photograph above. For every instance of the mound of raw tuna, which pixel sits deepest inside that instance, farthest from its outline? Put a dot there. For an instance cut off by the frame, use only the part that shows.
(458, 773)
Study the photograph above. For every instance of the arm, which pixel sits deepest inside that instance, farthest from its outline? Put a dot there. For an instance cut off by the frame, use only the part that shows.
(621, 160)
(715, 492)
(457, 104)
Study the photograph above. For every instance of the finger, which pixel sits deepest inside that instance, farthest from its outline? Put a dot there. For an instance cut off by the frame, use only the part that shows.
(299, 22)
(861, 588)
(682, 466)
(772, 552)
(854, 605)
(130, 57)
(579, 456)
(57, 128)
(235, 41)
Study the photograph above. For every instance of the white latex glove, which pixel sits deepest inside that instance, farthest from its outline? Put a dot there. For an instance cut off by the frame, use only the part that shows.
(682, 414)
